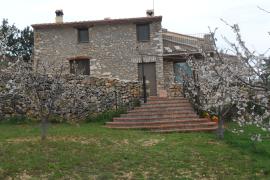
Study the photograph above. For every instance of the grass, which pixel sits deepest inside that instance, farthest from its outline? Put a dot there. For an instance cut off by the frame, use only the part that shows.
(91, 151)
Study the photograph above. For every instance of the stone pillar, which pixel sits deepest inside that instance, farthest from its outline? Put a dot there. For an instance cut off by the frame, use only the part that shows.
(160, 77)
(160, 64)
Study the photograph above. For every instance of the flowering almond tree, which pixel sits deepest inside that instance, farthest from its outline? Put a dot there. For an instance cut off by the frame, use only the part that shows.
(41, 89)
(238, 82)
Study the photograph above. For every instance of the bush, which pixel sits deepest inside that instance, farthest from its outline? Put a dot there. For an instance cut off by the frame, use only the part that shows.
(57, 119)
(232, 112)
(105, 116)
(18, 119)
(257, 109)
(3, 64)
(136, 103)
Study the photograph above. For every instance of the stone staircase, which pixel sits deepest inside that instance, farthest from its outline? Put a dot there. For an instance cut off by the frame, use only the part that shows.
(161, 114)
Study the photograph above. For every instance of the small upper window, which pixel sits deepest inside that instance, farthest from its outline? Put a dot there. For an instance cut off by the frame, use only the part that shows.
(143, 32)
(83, 35)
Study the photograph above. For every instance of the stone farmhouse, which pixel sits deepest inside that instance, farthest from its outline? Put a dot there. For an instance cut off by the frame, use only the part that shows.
(117, 48)
(128, 49)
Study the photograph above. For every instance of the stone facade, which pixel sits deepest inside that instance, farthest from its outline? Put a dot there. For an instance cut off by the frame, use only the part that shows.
(173, 89)
(114, 51)
(168, 73)
(113, 48)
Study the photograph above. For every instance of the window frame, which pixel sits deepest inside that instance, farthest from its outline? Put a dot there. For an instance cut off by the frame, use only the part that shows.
(139, 39)
(86, 70)
(188, 71)
(79, 36)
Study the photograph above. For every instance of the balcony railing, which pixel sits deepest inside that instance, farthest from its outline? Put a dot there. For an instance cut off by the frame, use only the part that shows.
(179, 43)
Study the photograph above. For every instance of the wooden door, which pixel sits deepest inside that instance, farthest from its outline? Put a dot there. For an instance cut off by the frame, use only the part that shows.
(150, 75)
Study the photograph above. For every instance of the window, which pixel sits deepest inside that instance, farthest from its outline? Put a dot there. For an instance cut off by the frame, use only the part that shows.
(143, 32)
(81, 66)
(83, 35)
(181, 70)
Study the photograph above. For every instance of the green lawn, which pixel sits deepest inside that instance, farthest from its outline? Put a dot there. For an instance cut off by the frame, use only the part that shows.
(91, 151)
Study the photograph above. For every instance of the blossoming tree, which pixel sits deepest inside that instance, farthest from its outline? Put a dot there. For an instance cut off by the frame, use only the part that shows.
(239, 82)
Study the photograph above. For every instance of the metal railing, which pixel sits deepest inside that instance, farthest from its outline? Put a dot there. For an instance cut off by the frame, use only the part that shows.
(184, 43)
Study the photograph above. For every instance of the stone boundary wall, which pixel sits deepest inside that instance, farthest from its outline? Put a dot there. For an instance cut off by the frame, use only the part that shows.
(95, 94)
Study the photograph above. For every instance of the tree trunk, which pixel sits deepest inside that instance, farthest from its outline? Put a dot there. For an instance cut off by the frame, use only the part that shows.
(44, 128)
(220, 131)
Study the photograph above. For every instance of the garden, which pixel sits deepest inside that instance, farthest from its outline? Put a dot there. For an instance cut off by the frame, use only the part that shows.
(91, 151)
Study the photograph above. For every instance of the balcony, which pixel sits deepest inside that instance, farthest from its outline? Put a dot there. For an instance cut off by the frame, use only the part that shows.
(180, 44)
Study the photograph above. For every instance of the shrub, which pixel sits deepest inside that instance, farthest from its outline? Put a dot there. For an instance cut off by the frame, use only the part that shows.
(17, 119)
(105, 116)
(57, 119)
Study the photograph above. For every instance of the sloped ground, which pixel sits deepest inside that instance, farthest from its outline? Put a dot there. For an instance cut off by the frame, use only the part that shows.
(91, 151)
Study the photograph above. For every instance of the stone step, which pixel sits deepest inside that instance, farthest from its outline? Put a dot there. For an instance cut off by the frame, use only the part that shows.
(168, 101)
(160, 114)
(166, 126)
(186, 104)
(154, 119)
(149, 118)
(164, 106)
(144, 123)
(201, 129)
(150, 109)
(155, 98)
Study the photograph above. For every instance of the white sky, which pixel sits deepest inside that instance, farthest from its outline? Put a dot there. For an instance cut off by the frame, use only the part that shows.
(183, 16)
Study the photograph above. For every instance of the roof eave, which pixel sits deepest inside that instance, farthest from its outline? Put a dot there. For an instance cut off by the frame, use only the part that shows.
(98, 22)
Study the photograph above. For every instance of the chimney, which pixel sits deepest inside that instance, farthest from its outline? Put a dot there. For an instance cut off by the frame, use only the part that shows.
(150, 13)
(59, 16)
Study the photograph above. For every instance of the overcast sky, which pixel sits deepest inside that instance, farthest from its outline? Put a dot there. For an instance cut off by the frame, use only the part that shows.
(183, 16)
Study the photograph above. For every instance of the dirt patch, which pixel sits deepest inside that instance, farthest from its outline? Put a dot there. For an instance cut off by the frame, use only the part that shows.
(150, 142)
(128, 176)
(120, 142)
(213, 142)
(185, 173)
(125, 141)
(23, 140)
(76, 139)
(2, 172)
(146, 174)
(22, 176)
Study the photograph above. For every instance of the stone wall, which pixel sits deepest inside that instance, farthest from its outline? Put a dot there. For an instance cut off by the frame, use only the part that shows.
(173, 89)
(168, 73)
(95, 94)
(112, 49)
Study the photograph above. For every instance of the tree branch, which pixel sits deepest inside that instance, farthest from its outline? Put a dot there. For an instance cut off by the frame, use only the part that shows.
(263, 9)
